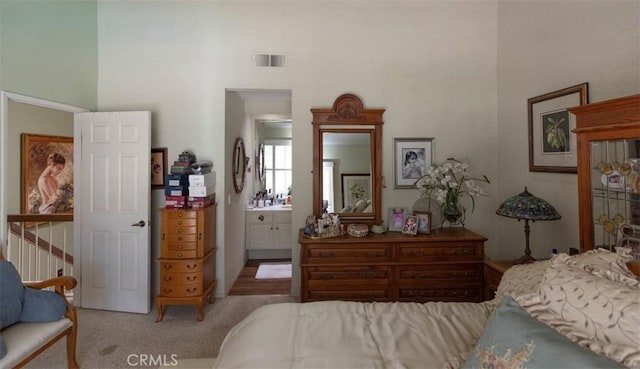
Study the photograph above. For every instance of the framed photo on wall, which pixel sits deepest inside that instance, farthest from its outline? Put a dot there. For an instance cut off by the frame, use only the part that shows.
(552, 144)
(47, 174)
(158, 167)
(411, 159)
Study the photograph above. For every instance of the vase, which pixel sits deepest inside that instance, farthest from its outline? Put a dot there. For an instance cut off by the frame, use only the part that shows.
(451, 210)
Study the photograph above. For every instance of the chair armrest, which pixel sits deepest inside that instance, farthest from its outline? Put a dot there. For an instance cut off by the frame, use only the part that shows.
(59, 283)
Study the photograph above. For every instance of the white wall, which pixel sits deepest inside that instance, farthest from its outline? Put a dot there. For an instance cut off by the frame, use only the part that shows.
(431, 65)
(544, 47)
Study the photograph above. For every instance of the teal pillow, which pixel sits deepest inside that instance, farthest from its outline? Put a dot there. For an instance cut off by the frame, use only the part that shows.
(3, 348)
(11, 294)
(514, 339)
(42, 306)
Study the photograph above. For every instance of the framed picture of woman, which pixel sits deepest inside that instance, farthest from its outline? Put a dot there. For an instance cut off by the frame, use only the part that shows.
(47, 174)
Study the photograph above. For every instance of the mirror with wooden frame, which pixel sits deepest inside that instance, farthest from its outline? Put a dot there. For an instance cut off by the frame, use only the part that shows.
(347, 161)
(238, 165)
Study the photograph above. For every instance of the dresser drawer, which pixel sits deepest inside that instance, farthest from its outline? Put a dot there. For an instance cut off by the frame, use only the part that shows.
(178, 246)
(337, 254)
(440, 251)
(344, 276)
(172, 237)
(178, 266)
(411, 274)
(169, 290)
(441, 293)
(179, 254)
(181, 229)
(183, 222)
(167, 278)
(173, 215)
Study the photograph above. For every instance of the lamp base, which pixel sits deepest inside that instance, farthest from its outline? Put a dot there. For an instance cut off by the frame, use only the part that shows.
(524, 259)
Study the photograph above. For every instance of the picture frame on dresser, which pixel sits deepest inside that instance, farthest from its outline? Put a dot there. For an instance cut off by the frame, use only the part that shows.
(396, 217)
(552, 144)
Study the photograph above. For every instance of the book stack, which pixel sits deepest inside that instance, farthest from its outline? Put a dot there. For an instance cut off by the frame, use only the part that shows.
(175, 190)
(201, 189)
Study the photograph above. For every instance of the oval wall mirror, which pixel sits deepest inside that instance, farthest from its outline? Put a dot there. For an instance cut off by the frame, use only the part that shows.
(238, 165)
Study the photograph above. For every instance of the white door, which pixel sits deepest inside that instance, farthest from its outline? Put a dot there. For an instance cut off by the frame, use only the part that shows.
(114, 210)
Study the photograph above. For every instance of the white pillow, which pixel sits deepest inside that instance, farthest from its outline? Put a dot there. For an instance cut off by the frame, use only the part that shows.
(592, 310)
(521, 278)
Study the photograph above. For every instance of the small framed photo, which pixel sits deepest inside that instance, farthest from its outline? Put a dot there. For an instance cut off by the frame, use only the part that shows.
(424, 221)
(411, 159)
(396, 218)
(552, 144)
(410, 226)
(158, 167)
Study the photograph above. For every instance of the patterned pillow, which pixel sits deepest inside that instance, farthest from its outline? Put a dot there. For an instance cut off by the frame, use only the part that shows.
(514, 339)
(521, 278)
(594, 311)
(604, 263)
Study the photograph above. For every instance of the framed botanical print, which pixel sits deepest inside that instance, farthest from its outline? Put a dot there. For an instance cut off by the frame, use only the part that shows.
(552, 144)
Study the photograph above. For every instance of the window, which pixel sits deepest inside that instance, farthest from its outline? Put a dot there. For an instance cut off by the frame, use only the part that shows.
(277, 162)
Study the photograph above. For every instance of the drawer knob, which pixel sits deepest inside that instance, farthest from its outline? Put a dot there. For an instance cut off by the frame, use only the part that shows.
(167, 290)
(180, 230)
(191, 290)
(179, 254)
(192, 278)
(192, 266)
(180, 246)
(180, 215)
(167, 266)
(261, 218)
(179, 222)
(168, 278)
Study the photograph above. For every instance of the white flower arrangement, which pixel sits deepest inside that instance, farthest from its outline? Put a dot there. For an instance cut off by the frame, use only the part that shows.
(449, 181)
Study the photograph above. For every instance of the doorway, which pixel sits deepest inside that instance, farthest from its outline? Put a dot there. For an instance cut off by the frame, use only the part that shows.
(262, 118)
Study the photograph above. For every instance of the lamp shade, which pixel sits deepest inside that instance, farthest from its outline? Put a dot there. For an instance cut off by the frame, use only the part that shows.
(527, 206)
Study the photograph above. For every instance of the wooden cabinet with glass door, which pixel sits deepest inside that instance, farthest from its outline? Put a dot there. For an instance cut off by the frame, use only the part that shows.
(608, 137)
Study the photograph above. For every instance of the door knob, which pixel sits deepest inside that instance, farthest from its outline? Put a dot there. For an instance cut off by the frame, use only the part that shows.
(139, 224)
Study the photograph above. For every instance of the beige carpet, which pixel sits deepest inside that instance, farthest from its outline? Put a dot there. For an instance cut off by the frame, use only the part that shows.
(121, 340)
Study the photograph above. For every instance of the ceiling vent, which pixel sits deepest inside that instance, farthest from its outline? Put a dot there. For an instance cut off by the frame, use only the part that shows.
(269, 60)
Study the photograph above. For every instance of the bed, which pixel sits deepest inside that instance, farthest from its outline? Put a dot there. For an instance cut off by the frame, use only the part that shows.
(579, 311)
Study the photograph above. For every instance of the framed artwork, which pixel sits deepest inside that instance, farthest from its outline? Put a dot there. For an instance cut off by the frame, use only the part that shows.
(396, 218)
(355, 187)
(158, 167)
(47, 174)
(411, 159)
(410, 226)
(552, 144)
(424, 221)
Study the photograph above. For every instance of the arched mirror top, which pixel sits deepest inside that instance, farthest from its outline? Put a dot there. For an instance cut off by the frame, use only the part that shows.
(348, 161)
(238, 165)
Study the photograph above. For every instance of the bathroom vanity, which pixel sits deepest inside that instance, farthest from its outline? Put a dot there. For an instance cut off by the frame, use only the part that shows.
(268, 228)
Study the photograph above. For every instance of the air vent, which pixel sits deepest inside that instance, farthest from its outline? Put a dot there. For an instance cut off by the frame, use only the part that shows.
(269, 60)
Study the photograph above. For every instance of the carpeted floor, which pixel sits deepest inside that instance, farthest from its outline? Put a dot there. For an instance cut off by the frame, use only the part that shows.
(122, 340)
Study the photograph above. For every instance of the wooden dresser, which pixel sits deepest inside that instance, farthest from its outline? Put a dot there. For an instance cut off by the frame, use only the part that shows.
(187, 258)
(446, 265)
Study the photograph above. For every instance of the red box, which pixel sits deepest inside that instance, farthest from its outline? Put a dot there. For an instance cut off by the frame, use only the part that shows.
(175, 201)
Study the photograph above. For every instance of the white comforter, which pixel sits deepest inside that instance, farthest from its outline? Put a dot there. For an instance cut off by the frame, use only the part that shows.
(336, 334)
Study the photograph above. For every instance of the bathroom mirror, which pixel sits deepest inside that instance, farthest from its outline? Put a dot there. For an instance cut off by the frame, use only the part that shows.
(238, 165)
(348, 161)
